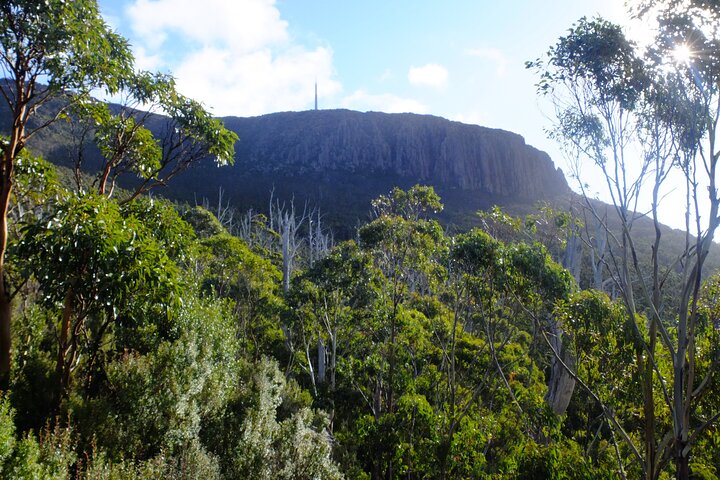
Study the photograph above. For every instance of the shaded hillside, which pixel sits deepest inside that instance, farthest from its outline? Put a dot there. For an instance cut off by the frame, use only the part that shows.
(338, 160)
(424, 148)
(341, 159)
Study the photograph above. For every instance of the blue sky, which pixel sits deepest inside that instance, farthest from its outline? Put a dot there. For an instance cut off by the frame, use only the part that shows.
(459, 59)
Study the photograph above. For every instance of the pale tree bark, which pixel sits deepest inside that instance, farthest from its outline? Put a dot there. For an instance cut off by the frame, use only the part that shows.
(287, 225)
(561, 384)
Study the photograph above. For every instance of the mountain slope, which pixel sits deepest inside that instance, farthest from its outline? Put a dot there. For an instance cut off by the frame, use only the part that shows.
(339, 160)
(421, 147)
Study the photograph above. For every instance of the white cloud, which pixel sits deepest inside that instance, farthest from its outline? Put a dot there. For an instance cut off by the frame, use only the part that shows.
(257, 82)
(429, 75)
(146, 61)
(243, 25)
(386, 75)
(236, 57)
(383, 102)
(495, 56)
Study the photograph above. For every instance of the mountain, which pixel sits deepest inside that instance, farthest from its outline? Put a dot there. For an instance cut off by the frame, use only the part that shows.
(340, 159)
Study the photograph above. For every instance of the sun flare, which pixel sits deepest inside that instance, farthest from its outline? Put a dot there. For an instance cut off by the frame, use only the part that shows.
(682, 54)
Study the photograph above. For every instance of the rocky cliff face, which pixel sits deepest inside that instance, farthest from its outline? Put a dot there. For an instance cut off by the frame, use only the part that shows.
(418, 148)
(339, 160)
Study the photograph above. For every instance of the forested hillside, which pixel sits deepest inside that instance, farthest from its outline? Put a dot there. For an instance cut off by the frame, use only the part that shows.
(145, 339)
(407, 352)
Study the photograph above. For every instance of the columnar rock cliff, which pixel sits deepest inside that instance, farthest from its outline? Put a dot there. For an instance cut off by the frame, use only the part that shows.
(418, 148)
(339, 160)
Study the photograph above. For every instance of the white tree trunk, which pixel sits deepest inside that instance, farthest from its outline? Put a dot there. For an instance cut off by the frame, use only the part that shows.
(561, 385)
(322, 360)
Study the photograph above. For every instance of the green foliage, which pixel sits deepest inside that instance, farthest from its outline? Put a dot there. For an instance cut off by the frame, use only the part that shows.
(51, 456)
(474, 252)
(561, 461)
(596, 51)
(419, 201)
(174, 234)
(130, 143)
(98, 265)
(34, 390)
(537, 276)
(230, 270)
(192, 463)
(68, 43)
(156, 402)
(256, 444)
(36, 183)
(127, 145)
(199, 126)
(7, 431)
(203, 222)
(430, 346)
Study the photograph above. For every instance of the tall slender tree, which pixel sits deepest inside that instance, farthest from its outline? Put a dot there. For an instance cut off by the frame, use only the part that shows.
(69, 47)
(638, 116)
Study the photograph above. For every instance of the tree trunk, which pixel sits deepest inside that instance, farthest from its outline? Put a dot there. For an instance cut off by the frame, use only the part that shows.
(287, 261)
(6, 184)
(333, 359)
(682, 462)
(598, 251)
(62, 368)
(5, 333)
(11, 150)
(561, 384)
(572, 257)
(310, 365)
(322, 356)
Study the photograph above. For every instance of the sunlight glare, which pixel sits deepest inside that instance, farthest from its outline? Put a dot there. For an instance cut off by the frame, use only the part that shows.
(682, 54)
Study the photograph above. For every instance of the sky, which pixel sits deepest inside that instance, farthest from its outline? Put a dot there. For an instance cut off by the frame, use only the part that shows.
(459, 59)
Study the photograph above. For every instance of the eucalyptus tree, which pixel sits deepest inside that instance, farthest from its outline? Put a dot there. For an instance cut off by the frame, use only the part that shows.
(405, 245)
(330, 303)
(101, 269)
(155, 134)
(230, 270)
(53, 54)
(68, 46)
(639, 117)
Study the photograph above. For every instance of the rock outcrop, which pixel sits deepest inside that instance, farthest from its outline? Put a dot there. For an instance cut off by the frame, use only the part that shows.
(419, 148)
(339, 160)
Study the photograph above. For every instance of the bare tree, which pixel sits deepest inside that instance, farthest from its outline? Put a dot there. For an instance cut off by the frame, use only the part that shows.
(287, 224)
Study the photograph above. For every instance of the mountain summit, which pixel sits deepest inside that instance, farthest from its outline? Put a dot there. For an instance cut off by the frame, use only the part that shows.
(340, 159)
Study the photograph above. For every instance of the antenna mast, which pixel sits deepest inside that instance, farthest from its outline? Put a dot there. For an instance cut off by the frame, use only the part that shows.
(316, 95)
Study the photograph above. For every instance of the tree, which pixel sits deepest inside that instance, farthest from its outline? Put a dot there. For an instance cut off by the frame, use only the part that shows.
(99, 269)
(70, 49)
(637, 118)
(231, 271)
(326, 304)
(287, 225)
(404, 247)
(404, 244)
(68, 45)
(185, 134)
